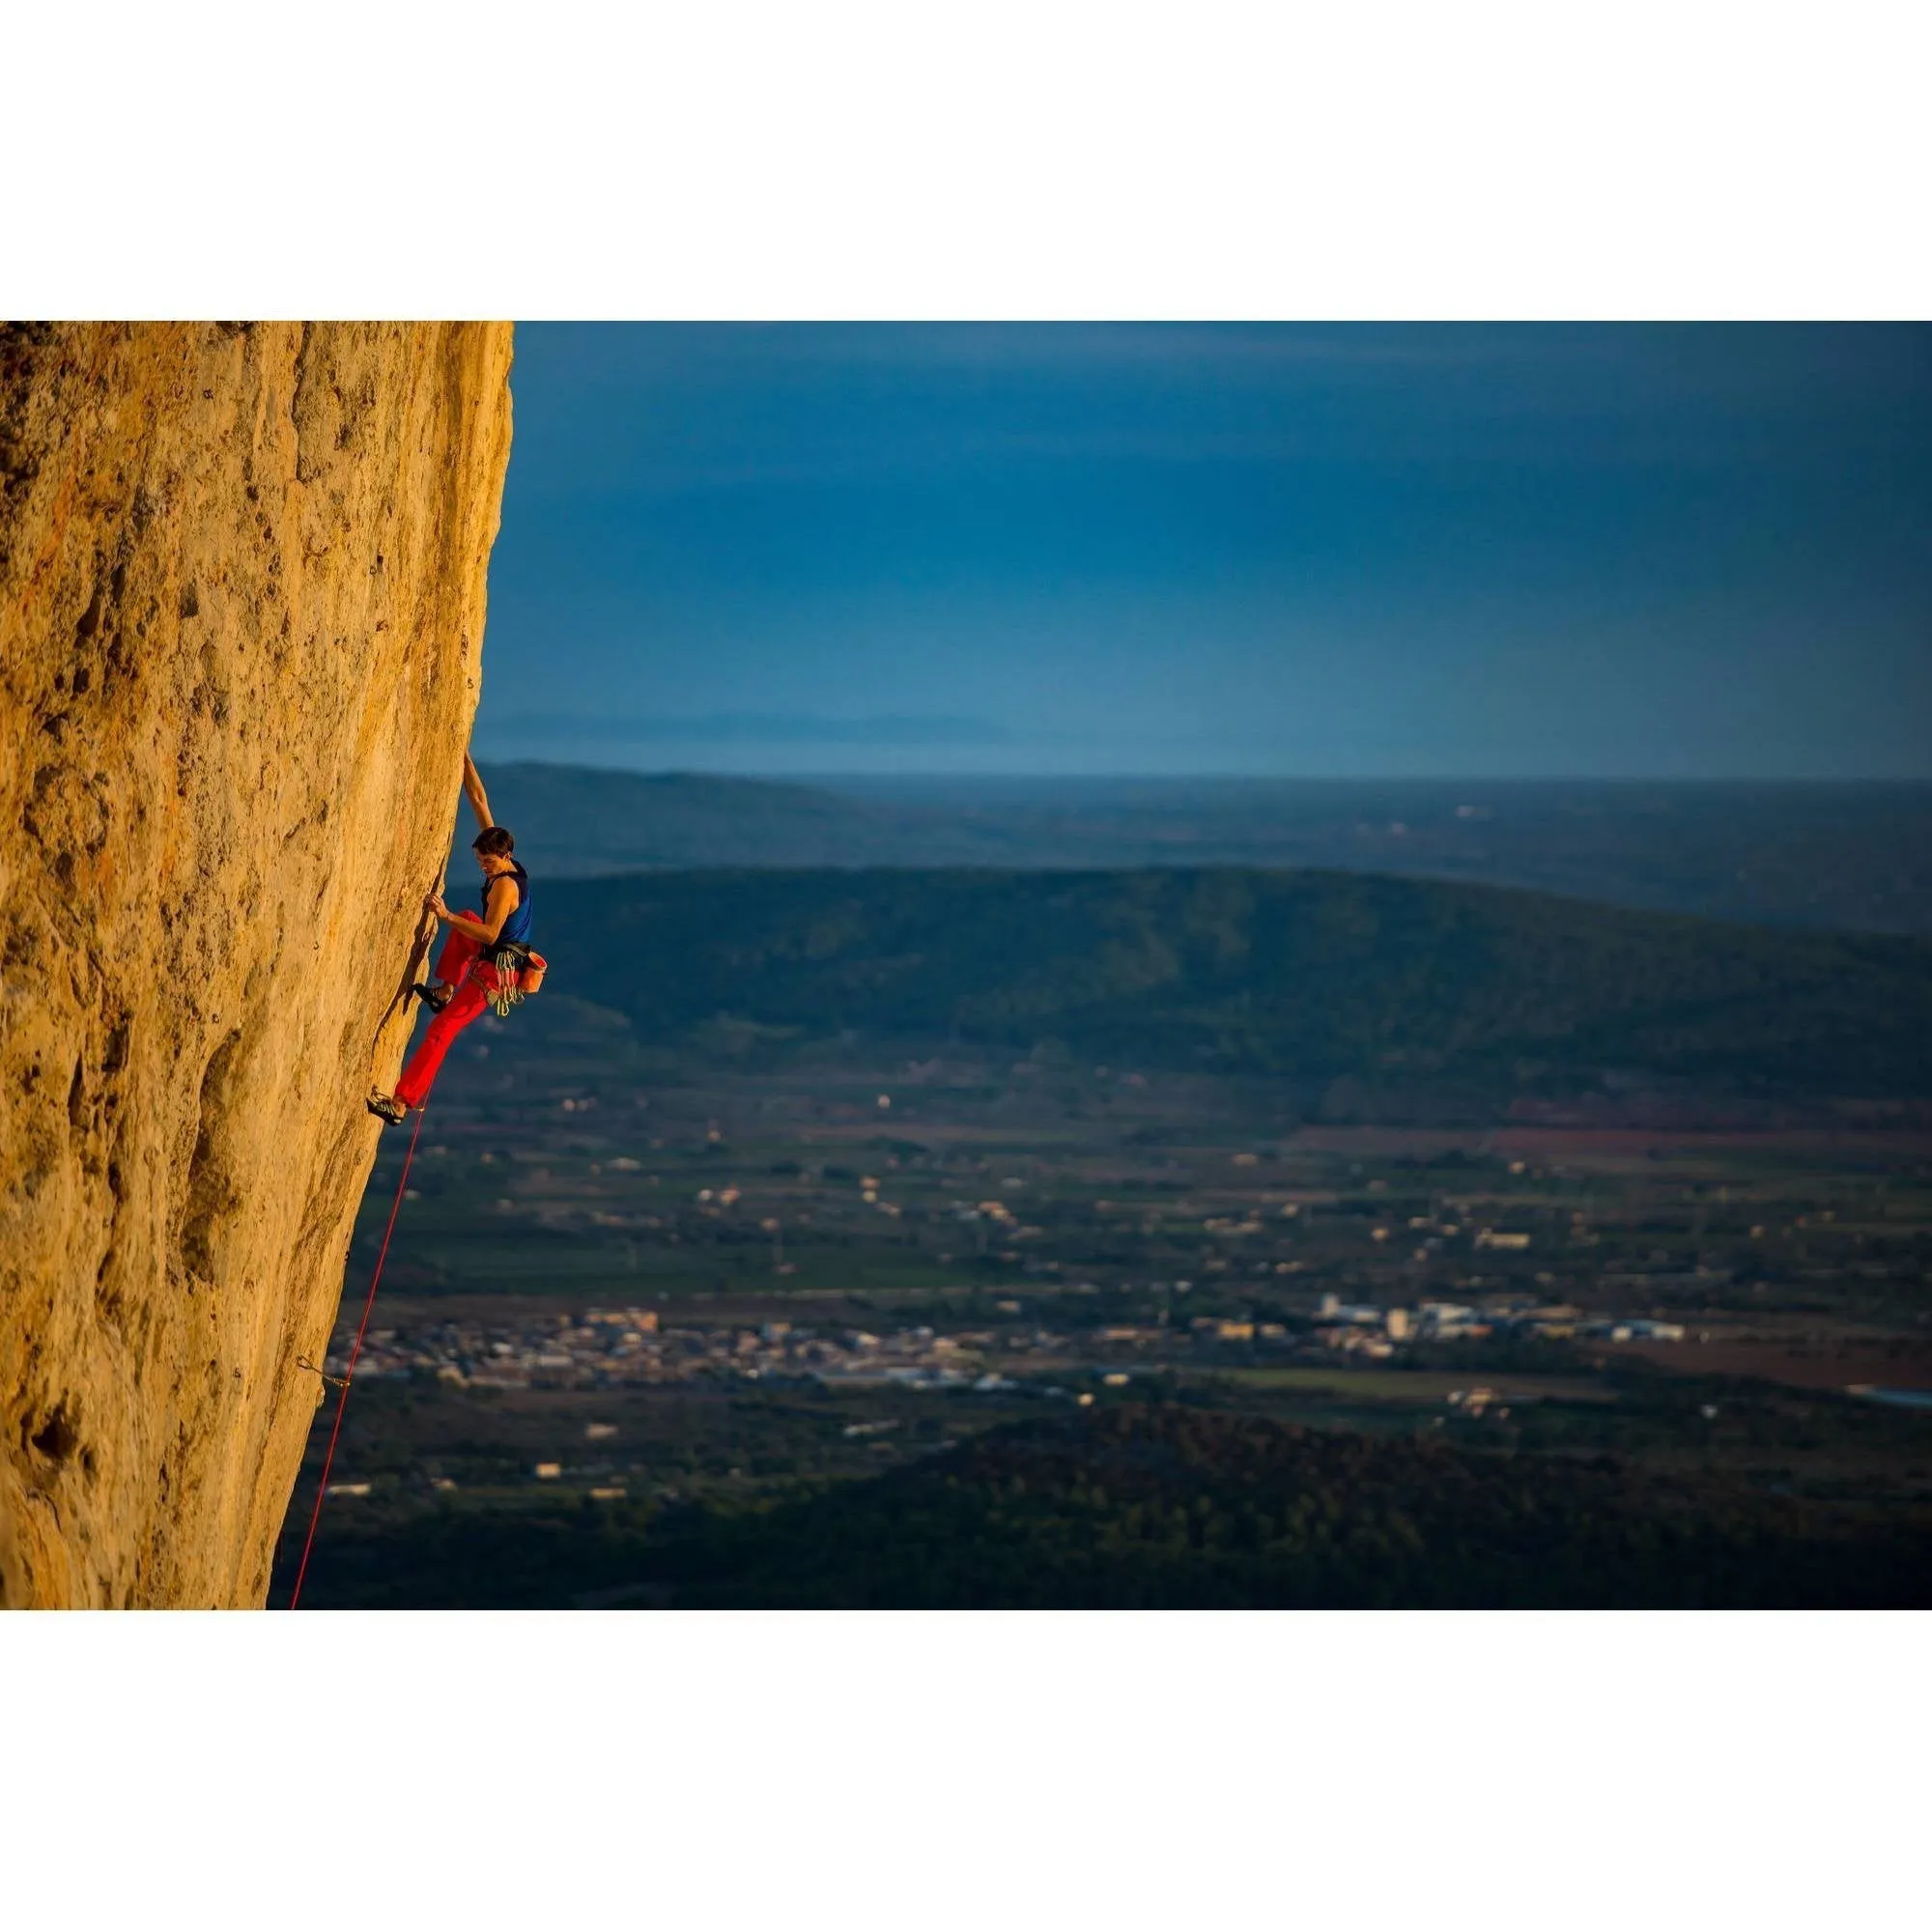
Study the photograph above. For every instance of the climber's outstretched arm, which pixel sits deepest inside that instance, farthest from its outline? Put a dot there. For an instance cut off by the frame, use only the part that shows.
(472, 790)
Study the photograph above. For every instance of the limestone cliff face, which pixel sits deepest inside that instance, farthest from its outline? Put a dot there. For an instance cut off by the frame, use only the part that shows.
(241, 590)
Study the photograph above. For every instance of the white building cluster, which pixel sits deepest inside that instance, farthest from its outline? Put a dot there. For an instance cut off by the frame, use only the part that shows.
(616, 1347)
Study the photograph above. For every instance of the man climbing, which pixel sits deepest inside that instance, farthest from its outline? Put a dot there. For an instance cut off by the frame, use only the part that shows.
(485, 961)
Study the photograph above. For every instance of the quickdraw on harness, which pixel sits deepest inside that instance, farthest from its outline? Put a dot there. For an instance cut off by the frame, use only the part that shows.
(512, 960)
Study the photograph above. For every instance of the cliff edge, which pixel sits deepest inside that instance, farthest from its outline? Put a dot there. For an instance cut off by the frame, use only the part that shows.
(242, 593)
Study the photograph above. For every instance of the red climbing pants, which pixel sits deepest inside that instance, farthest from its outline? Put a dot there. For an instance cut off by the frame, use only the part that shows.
(474, 981)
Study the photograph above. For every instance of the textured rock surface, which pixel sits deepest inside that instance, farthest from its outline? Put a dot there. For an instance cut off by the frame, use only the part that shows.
(241, 591)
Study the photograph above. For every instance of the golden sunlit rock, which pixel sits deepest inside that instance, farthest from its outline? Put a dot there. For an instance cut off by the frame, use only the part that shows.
(241, 596)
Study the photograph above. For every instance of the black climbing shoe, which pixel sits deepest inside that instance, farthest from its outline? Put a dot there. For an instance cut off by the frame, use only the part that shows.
(434, 998)
(386, 1107)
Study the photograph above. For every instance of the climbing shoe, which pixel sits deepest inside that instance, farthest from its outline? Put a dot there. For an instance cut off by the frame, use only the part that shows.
(434, 998)
(387, 1107)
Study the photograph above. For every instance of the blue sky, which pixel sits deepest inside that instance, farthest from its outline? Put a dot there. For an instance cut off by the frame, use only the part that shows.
(1295, 551)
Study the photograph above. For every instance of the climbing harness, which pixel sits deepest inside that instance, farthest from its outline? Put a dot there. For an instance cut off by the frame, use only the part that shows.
(342, 1382)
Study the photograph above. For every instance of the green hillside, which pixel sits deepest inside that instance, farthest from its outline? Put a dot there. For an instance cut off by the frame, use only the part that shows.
(1310, 976)
(1174, 1508)
(1167, 1507)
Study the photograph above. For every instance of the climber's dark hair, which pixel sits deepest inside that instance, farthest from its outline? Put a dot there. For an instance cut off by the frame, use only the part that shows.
(495, 842)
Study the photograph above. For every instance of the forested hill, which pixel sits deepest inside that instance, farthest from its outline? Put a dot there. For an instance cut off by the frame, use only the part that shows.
(1165, 1505)
(1310, 975)
(1160, 1506)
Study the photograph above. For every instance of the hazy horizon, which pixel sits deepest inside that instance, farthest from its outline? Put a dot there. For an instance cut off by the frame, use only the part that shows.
(937, 776)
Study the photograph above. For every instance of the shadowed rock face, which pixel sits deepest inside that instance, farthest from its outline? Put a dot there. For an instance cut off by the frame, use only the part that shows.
(242, 592)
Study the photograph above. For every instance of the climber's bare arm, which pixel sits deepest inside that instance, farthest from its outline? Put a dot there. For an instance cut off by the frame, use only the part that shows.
(472, 790)
(496, 908)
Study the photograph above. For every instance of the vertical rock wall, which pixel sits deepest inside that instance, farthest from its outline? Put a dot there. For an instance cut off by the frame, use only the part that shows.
(241, 591)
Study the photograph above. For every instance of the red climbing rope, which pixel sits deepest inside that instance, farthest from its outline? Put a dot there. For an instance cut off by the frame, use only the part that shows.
(342, 1401)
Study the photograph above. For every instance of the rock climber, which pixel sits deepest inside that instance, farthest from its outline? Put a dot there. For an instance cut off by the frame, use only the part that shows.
(485, 961)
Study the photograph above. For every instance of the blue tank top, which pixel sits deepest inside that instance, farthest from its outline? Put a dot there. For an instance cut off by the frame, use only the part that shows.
(517, 927)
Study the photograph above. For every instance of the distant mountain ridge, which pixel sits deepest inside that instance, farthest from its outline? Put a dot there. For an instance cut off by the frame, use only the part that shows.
(1841, 857)
(576, 822)
(1309, 976)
